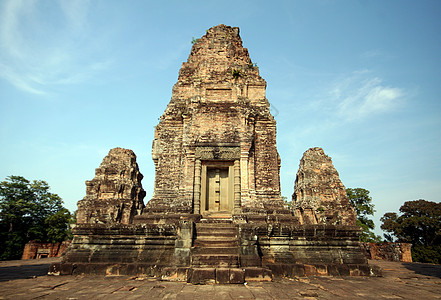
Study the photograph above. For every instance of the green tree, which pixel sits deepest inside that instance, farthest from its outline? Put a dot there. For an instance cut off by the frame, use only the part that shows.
(29, 211)
(419, 223)
(58, 226)
(362, 203)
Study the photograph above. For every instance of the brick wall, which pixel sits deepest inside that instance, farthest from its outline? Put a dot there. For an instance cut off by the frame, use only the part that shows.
(388, 251)
(33, 250)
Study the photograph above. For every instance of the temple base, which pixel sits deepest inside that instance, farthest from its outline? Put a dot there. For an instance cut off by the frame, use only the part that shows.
(215, 250)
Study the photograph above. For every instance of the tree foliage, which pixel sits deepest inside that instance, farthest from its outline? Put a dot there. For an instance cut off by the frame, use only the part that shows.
(29, 211)
(419, 223)
(362, 203)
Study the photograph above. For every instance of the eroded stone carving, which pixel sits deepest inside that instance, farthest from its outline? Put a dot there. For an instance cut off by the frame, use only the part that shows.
(222, 153)
(218, 113)
(319, 195)
(115, 195)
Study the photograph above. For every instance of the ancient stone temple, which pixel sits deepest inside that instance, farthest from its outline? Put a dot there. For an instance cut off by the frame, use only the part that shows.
(216, 214)
(215, 145)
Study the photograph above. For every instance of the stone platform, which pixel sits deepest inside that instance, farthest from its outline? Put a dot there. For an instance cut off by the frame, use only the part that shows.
(215, 251)
(400, 281)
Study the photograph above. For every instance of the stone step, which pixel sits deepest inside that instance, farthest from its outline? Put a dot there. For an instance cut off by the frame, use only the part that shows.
(216, 264)
(224, 275)
(215, 225)
(217, 237)
(208, 275)
(206, 240)
(215, 221)
(215, 260)
(216, 242)
(216, 230)
(214, 250)
(219, 226)
(205, 233)
(258, 274)
(216, 234)
(217, 218)
(206, 257)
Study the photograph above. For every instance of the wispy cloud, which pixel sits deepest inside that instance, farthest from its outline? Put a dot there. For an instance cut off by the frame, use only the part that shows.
(376, 54)
(76, 11)
(44, 45)
(361, 95)
(18, 80)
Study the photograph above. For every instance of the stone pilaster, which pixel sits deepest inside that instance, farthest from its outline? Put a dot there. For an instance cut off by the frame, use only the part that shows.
(197, 187)
(236, 186)
(188, 180)
(244, 191)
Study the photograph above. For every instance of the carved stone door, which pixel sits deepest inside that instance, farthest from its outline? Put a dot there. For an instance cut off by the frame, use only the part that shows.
(217, 188)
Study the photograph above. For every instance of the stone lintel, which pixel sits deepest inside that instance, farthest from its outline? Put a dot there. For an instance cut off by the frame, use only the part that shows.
(217, 152)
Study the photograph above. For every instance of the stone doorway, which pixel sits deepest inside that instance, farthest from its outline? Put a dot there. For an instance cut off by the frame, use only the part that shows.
(217, 188)
(43, 253)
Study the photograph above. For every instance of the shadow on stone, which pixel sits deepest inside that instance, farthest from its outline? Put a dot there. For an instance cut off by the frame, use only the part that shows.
(23, 272)
(424, 269)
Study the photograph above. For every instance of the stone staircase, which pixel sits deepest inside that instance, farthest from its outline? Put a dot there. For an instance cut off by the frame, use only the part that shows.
(215, 255)
(216, 245)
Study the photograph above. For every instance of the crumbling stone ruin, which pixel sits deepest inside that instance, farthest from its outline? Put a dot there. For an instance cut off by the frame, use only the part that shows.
(115, 195)
(388, 251)
(319, 195)
(216, 214)
(37, 250)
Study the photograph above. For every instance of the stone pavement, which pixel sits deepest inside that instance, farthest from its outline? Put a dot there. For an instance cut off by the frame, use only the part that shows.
(27, 280)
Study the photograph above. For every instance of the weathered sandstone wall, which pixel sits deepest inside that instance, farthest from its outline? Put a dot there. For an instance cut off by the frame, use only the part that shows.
(388, 251)
(218, 113)
(34, 250)
(116, 193)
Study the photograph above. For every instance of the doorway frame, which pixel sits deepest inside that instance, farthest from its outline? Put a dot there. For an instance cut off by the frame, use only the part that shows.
(212, 155)
(205, 166)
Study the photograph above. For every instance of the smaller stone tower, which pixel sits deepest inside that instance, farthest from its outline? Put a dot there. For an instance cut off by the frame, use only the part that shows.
(115, 195)
(319, 195)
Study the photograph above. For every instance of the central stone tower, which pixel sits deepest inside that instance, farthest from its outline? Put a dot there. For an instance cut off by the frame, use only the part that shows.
(215, 145)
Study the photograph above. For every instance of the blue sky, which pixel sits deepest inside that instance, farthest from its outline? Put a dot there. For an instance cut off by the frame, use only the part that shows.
(359, 78)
